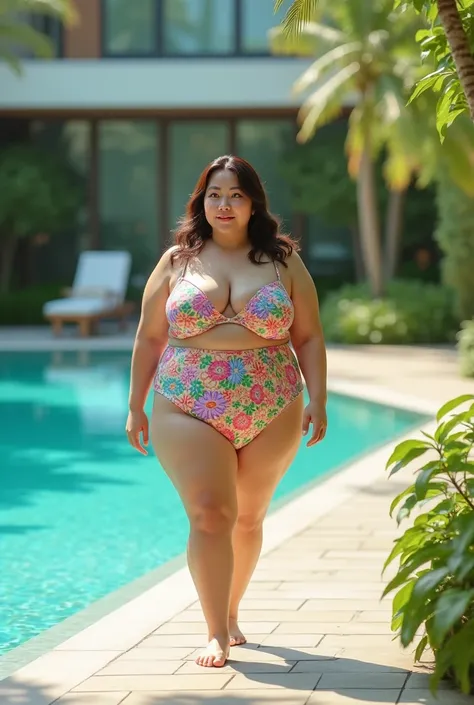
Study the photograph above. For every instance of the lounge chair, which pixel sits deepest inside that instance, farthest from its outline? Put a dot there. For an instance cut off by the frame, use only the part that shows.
(98, 292)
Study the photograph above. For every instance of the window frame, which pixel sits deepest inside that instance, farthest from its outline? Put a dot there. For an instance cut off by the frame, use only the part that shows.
(237, 52)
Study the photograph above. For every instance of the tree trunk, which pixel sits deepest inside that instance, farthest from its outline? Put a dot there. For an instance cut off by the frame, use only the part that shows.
(7, 257)
(359, 271)
(459, 44)
(369, 226)
(393, 233)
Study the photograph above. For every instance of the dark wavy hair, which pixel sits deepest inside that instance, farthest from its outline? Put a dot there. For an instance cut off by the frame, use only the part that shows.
(263, 229)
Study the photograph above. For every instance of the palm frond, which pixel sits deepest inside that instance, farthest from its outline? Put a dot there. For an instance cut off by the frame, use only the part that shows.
(310, 40)
(61, 9)
(329, 60)
(300, 12)
(13, 61)
(326, 102)
(26, 37)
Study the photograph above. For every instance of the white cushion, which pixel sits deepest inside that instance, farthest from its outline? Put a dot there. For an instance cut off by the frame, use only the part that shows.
(77, 306)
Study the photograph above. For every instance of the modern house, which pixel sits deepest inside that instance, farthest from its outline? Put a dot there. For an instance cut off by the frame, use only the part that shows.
(141, 95)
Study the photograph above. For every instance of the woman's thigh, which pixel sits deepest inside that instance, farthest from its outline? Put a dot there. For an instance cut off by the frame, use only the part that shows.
(200, 462)
(264, 461)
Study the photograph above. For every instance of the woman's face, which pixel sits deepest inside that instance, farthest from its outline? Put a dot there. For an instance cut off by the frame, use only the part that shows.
(227, 207)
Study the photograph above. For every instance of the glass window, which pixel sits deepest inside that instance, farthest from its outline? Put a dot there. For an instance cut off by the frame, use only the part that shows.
(128, 191)
(199, 27)
(262, 143)
(130, 26)
(192, 146)
(258, 18)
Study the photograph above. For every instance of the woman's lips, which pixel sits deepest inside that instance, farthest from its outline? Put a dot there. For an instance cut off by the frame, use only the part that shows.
(225, 217)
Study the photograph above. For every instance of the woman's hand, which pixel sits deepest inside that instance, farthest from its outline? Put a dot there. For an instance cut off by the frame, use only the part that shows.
(137, 422)
(315, 413)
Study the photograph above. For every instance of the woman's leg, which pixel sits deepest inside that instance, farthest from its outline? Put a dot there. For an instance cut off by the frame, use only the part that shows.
(202, 465)
(261, 465)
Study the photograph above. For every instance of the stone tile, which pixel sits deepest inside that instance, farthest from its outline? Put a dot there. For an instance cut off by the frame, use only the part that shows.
(367, 680)
(274, 653)
(51, 676)
(443, 697)
(272, 604)
(200, 628)
(255, 583)
(319, 543)
(133, 667)
(421, 681)
(354, 696)
(233, 667)
(394, 656)
(345, 665)
(168, 654)
(226, 697)
(173, 640)
(154, 683)
(327, 592)
(278, 574)
(297, 681)
(91, 699)
(294, 640)
(280, 616)
(372, 605)
(382, 615)
(334, 587)
(374, 555)
(358, 641)
(344, 628)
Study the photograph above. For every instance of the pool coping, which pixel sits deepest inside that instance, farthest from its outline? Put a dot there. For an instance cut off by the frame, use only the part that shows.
(162, 593)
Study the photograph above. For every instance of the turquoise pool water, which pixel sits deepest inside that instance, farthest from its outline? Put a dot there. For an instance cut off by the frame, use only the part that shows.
(81, 513)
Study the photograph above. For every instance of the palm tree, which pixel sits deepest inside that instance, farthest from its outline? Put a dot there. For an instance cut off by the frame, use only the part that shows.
(16, 33)
(367, 57)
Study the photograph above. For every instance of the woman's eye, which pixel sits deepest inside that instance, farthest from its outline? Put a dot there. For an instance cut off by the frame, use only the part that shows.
(237, 194)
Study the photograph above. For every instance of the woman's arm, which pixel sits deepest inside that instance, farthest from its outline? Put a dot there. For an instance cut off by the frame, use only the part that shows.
(308, 342)
(150, 341)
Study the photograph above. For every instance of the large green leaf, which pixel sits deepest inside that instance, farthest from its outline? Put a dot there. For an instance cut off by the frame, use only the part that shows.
(405, 447)
(457, 652)
(452, 404)
(450, 607)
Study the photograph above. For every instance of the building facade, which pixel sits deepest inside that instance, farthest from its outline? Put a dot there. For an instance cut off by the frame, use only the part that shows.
(141, 95)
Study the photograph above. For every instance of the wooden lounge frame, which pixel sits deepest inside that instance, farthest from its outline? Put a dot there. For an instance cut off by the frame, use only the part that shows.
(88, 322)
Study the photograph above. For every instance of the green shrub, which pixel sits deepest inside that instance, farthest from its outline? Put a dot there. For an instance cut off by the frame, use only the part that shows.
(435, 578)
(466, 348)
(411, 312)
(24, 306)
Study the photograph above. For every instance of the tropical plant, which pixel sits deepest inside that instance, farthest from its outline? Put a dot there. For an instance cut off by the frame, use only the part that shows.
(449, 44)
(368, 57)
(16, 33)
(466, 348)
(435, 577)
(411, 312)
(39, 194)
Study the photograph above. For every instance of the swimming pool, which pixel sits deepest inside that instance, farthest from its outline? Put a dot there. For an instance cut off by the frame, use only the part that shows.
(81, 513)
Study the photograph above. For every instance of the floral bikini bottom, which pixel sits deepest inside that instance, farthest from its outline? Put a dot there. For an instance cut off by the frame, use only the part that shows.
(237, 392)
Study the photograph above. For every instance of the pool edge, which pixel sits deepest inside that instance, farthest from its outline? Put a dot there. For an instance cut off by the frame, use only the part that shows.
(168, 589)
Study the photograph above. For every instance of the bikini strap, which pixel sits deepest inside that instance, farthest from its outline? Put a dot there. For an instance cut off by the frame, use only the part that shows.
(277, 270)
(181, 276)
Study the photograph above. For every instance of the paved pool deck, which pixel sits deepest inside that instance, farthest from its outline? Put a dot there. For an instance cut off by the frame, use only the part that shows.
(318, 632)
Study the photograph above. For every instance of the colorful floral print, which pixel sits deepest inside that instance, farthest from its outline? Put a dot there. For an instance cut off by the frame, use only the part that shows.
(237, 392)
(269, 313)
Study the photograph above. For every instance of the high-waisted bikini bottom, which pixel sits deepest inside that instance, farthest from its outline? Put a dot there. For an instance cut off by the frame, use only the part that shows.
(237, 392)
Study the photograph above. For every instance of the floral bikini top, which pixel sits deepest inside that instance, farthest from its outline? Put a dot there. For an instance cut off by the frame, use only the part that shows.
(269, 313)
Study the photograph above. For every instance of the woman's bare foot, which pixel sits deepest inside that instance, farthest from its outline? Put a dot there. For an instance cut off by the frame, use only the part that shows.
(236, 636)
(215, 654)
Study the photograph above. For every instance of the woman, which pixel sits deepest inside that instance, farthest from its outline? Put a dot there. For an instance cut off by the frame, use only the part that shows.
(217, 317)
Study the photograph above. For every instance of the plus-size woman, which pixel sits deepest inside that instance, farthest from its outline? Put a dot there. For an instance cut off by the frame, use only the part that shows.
(218, 315)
